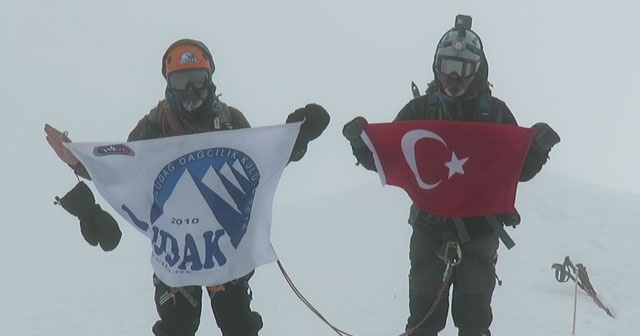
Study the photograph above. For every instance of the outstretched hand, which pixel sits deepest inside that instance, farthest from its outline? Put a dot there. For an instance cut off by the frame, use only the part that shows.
(353, 129)
(545, 137)
(55, 138)
(315, 122)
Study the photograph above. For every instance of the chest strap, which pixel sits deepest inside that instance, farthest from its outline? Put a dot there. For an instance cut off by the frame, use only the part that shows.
(222, 119)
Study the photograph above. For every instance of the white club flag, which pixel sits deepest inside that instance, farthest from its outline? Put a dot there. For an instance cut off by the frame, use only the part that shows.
(204, 200)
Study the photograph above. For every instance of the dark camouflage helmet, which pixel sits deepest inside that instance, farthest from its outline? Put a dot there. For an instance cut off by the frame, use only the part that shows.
(463, 44)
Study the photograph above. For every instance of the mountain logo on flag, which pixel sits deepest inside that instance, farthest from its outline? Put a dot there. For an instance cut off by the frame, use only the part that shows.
(225, 179)
(204, 200)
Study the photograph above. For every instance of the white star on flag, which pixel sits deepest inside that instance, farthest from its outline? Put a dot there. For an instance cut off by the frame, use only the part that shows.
(455, 165)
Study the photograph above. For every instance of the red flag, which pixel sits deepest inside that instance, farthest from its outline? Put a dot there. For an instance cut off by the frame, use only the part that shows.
(451, 168)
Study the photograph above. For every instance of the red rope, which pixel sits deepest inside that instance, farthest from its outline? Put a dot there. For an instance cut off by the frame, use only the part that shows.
(440, 295)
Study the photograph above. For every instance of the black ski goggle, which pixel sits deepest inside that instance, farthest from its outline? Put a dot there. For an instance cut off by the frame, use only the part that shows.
(180, 80)
(464, 68)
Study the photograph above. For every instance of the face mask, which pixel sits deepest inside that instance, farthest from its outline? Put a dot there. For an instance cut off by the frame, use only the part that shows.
(453, 93)
(453, 85)
(192, 104)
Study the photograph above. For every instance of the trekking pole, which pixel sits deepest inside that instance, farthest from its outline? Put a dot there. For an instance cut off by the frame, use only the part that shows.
(575, 303)
(588, 287)
(563, 274)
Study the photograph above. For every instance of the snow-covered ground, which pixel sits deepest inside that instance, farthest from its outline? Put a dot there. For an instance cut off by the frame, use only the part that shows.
(347, 253)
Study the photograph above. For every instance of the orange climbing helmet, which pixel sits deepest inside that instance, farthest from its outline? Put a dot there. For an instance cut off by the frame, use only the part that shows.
(187, 54)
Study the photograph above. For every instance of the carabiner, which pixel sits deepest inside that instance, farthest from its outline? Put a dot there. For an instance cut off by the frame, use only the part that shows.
(452, 253)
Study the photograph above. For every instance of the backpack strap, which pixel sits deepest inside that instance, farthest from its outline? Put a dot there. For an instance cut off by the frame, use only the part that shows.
(433, 109)
(487, 113)
(463, 234)
(222, 119)
(498, 228)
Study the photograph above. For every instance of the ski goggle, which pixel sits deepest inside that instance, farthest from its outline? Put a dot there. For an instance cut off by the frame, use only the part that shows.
(464, 68)
(180, 80)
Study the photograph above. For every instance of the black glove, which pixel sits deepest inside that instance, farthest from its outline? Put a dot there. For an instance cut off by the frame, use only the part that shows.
(353, 129)
(545, 137)
(509, 218)
(315, 122)
(538, 154)
(96, 225)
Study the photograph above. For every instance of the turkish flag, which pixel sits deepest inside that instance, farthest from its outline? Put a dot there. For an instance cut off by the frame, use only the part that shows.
(451, 168)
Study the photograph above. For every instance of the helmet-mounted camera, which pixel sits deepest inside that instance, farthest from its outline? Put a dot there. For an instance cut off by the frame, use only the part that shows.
(463, 22)
(459, 50)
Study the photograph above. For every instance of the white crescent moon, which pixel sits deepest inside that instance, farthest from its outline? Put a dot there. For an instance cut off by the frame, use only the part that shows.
(408, 144)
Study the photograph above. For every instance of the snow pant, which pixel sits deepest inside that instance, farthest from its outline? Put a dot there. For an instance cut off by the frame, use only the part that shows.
(473, 282)
(180, 315)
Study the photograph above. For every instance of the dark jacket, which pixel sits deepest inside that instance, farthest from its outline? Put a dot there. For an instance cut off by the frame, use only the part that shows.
(163, 122)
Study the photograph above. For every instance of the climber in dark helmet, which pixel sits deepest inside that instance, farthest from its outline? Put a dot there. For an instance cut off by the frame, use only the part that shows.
(192, 106)
(459, 92)
(459, 61)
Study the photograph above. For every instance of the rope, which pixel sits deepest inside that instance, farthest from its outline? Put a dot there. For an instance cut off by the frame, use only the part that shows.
(446, 282)
(307, 303)
(445, 288)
